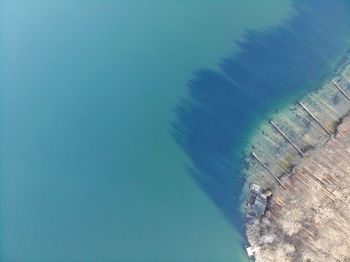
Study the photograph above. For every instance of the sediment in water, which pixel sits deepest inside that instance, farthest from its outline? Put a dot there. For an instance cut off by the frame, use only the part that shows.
(308, 219)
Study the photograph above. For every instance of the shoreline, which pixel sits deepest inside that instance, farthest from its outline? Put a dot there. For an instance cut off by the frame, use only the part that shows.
(294, 134)
(307, 220)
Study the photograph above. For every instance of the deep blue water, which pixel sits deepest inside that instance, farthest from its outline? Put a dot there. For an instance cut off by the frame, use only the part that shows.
(273, 67)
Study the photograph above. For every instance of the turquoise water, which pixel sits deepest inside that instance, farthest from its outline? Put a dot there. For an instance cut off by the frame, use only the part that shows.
(90, 170)
(272, 68)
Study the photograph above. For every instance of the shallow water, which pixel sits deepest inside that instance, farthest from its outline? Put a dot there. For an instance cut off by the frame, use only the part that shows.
(89, 168)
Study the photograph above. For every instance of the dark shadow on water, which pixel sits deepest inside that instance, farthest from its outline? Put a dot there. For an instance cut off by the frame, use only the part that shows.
(282, 62)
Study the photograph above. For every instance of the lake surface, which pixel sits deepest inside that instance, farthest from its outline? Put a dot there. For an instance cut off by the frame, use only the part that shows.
(272, 68)
(101, 158)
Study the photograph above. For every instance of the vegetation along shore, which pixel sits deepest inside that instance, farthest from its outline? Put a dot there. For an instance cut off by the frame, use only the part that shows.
(298, 178)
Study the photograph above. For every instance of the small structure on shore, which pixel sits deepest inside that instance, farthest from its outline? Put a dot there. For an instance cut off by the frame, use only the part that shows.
(251, 252)
(307, 219)
(256, 204)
